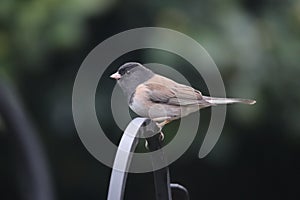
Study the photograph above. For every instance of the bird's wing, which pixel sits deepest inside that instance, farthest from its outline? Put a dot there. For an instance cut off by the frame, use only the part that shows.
(169, 92)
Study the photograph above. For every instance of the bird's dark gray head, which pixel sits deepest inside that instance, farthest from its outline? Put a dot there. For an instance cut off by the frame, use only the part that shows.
(130, 75)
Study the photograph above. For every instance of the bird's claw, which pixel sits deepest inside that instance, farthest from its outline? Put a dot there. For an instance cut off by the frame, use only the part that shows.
(161, 138)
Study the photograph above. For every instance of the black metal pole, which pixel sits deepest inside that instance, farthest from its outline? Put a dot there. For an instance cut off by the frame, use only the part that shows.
(38, 182)
(161, 176)
(123, 159)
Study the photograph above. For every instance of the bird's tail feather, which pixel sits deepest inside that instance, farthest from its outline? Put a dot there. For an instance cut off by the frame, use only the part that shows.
(217, 100)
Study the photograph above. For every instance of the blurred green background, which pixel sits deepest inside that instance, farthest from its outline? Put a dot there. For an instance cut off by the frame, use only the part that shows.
(255, 44)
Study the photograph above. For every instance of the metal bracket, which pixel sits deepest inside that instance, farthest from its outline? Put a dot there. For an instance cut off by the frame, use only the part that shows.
(141, 127)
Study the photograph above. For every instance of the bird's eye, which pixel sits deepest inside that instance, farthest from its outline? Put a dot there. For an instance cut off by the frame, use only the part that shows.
(127, 72)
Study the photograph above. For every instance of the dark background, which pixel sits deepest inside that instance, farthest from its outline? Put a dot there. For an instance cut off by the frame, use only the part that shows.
(255, 44)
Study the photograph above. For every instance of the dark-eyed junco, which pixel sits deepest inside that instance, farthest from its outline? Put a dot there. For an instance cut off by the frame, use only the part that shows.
(162, 99)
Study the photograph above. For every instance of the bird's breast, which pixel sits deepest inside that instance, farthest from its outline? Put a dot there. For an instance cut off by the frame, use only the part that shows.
(139, 105)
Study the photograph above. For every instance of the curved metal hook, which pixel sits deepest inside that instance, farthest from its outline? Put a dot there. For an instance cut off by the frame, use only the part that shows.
(123, 158)
(142, 128)
(146, 128)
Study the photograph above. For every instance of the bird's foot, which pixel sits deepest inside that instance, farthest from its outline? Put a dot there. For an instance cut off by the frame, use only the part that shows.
(161, 138)
(162, 124)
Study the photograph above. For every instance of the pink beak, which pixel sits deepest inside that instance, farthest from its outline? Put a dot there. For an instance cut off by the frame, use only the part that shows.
(116, 76)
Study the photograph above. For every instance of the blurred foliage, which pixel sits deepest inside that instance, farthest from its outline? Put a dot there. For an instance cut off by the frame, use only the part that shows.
(255, 44)
(31, 30)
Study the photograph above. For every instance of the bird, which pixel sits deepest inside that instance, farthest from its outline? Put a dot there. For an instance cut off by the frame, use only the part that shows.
(161, 99)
